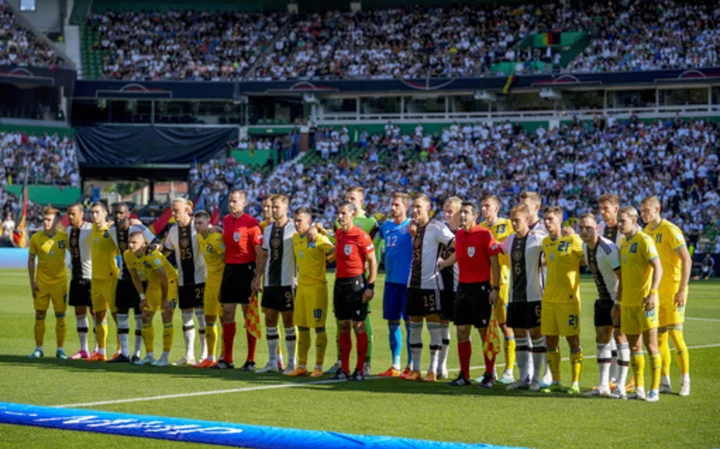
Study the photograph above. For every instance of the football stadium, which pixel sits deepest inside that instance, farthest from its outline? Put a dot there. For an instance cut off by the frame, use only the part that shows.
(357, 224)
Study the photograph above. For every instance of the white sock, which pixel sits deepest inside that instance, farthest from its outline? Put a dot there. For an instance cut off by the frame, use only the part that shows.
(522, 356)
(138, 335)
(123, 324)
(273, 339)
(82, 330)
(623, 363)
(614, 358)
(150, 355)
(685, 378)
(604, 354)
(435, 345)
(189, 334)
(39, 348)
(290, 344)
(165, 356)
(416, 344)
(665, 380)
(539, 357)
(200, 315)
(445, 334)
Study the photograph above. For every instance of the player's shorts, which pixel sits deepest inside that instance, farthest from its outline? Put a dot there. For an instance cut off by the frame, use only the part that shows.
(524, 315)
(191, 296)
(57, 293)
(395, 302)
(211, 297)
(472, 305)
(311, 304)
(669, 313)
(281, 299)
(447, 305)
(560, 319)
(153, 296)
(126, 296)
(237, 283)
(422, 302)
(102, 292)
(347, 299)
(603, 313)
(80, 293)
(636, 320)
(500, 308)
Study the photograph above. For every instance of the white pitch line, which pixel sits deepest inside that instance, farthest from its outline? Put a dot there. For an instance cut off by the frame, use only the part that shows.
(714, 320)
(273, 387)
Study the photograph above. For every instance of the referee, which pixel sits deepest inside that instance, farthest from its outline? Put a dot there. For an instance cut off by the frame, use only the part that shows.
(353, 249)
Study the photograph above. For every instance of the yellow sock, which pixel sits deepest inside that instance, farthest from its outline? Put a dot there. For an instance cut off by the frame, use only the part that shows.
(39, 332)
(637, 360)
(655, 364)
(303, 346)
(60, 329)
(682, 354)
(664, 347)
(576, 359)
(321, 342)
(553, 358)
(101, 335)
(510, 353)
(168, 334)
(211, 336)
(148, 334)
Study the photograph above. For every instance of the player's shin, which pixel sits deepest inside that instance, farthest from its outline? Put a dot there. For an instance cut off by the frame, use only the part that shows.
(123, 323)
(189, 334)
(321, 342)
(465, 354)
(623, 363)
(138, 335)
(553, 358)
(522, 353)
(576, 360)
(82, 330)
(664, 347)
(637, 360)
(445, 334)
(211, 334)
(39, 332)
(682, 355)
(290, 345)
(101, 335)
(303, 346)
(363, 345)
(148, 334)
(60, 330)
(435, 345)
(202, 332)
(371, 338)
(168, 334)
(345, 343)
(395, 337)
(229, 330)
(539, 358)
(407, 344)
(655, 367)
(509, 352)
(604, 359)
(614, 367)
(416, 344)
(273, 340)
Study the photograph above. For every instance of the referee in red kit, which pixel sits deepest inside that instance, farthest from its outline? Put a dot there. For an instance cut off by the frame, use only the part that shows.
(353, 249)
(476, 255)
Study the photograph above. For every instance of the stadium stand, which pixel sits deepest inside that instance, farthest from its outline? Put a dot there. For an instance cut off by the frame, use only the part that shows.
(19, 46)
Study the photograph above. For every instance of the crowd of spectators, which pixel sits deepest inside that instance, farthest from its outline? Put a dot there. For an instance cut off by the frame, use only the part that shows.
(185, 45)
(19, 46)
(570, 166)
(47, 159)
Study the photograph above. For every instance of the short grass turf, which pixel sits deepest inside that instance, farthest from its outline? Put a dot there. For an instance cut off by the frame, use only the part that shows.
(375, 407)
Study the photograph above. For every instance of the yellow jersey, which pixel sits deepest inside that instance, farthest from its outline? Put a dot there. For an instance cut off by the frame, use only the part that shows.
(311, 258)
(501, 230)
(213, 251)
(104, 254)
(264, 224)
(635, 256)
(147, 266)
(50, 252)
(668, 239)
(562, 256)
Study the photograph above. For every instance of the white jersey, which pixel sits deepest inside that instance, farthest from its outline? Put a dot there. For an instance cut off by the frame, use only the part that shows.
(280, 268)
(80, 245)
(527, 278)
(428, 244)
(611, 234)
(539, 228)
(120, 238)
(183, 240)
(603, 262)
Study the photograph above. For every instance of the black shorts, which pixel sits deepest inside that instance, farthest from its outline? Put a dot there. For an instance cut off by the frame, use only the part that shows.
(191, 296)
(472, 305)
(278, 298)
(126, 296)
(347, 299)
(524, 315)
(422, 302)
(80, 293)
(603, 313)
(447, 305)
(237, 283)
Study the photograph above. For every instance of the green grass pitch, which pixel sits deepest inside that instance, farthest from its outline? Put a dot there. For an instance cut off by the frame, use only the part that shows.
(379, 406)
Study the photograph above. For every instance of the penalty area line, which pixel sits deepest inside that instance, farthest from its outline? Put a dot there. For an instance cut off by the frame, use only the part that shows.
(271, 387)
(714, 320)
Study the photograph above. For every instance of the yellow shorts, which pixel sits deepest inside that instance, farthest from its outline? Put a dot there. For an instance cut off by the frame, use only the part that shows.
(560, 319)
(56, 292)
(102, 292)
(500, 309)
(311, 305)
(634, 320)
(669, 313)
(211, 300)
(153, 296)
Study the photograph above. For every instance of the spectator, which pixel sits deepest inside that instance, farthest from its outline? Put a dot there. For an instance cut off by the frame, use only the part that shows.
(19, 46)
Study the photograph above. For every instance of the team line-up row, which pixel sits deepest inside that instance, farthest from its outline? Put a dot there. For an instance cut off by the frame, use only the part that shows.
(519, 274)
